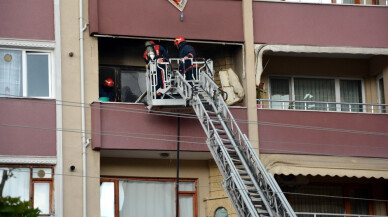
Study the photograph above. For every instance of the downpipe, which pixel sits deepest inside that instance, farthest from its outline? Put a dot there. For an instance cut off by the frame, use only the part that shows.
(85, 142)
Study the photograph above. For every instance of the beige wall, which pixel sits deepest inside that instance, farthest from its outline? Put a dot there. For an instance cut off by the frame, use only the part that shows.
(71, 91)
(161, 169)
(217, 195)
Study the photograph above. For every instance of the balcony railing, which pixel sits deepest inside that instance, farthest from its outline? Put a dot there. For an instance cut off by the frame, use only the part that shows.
(309, 214)
(342, 2)
(321, 106)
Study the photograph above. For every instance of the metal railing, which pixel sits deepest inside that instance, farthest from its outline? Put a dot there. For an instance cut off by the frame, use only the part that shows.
(309, 214)
(321, 106)
(338, 2)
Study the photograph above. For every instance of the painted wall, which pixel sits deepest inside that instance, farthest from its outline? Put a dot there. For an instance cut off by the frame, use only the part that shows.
(144, 168)
(24, 133)
(71, 115)
(323, 133)
(203, 19)
(131, 126)
(21, 19)
(317, 24)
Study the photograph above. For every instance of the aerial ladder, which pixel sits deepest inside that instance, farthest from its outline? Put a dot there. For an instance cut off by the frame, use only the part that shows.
(252, 190)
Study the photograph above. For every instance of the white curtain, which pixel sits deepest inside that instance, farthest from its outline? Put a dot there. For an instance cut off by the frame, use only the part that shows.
(18, 185)
(351, 92)
(147, 198)
(314, 90)
(107, 199)
(11, 73)
(186, 206)
(280, 90)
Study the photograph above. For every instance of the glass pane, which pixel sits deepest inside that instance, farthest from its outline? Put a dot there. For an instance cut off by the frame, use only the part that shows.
(42, 173)
(350, 91)
(11, 75)
(186, 208)
(146, 198)
(107, 199)
(42, 197)
(133, 84)
(38, 75)
(318, 91)
(221, 212)
(280, 93)
(186, 186)
(17, 184)
(359, 206)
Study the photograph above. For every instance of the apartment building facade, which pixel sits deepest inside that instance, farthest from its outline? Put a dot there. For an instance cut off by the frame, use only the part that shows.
(314, 108)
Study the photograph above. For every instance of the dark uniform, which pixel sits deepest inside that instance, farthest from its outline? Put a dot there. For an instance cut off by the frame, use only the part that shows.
(159, 52)
(186, 50)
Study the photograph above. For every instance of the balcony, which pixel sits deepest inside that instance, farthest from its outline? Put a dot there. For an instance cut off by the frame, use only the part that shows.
(280, 22)
(129, 126)
(308, 132)
(27, 127)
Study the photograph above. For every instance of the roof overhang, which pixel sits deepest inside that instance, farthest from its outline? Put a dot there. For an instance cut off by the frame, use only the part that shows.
(316, 51)
(325, 165)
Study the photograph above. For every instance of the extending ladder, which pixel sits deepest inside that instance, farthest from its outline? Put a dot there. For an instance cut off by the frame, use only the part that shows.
(252, 191)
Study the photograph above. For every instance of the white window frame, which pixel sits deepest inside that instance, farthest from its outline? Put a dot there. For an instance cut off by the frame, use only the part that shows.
(378, 88)
(336, 82)
(51, 73)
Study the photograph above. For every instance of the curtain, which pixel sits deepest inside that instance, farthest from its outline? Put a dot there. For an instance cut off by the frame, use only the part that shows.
(186, 206)
(315, 90)
(147, 198)
(280, 90)
(107, 199)
(351, 92)
(11, 75)
(17, 185)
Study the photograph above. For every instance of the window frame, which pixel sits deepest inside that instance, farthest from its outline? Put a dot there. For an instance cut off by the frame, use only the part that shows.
(51, 73)
(116, 180)
(336, 83)
(38, 180)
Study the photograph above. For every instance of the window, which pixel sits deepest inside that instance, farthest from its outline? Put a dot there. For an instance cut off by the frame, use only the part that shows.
(221, 212)
(132, 197)
(30, 183)
(323, 94)
(381, 95)
(302, 199)
(25, 73)
(129, 82)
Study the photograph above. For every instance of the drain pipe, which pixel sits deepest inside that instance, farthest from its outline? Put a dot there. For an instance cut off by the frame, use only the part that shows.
(85, 143)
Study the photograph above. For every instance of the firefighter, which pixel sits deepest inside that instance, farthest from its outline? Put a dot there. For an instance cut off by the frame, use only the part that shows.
(107, 91)
(186, 51)
(158, 53)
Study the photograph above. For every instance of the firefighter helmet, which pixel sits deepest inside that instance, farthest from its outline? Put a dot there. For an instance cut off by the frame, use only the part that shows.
(108, 82)
(178, 40)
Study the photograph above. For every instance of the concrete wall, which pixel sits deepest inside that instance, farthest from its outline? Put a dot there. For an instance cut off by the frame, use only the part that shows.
(71, 92)
(144, 168)
(205, 20)
(27, 19)
(23, 132)
(320, 24)
(217, 195)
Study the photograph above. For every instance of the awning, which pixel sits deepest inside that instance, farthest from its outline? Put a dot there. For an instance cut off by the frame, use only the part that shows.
(325, 165)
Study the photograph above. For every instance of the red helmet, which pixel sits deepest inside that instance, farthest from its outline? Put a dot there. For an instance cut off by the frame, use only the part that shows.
(178, 40)
(108, 82)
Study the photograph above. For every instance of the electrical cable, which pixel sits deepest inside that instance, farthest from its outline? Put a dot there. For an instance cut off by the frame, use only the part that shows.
(265, 123)
(210, 186)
